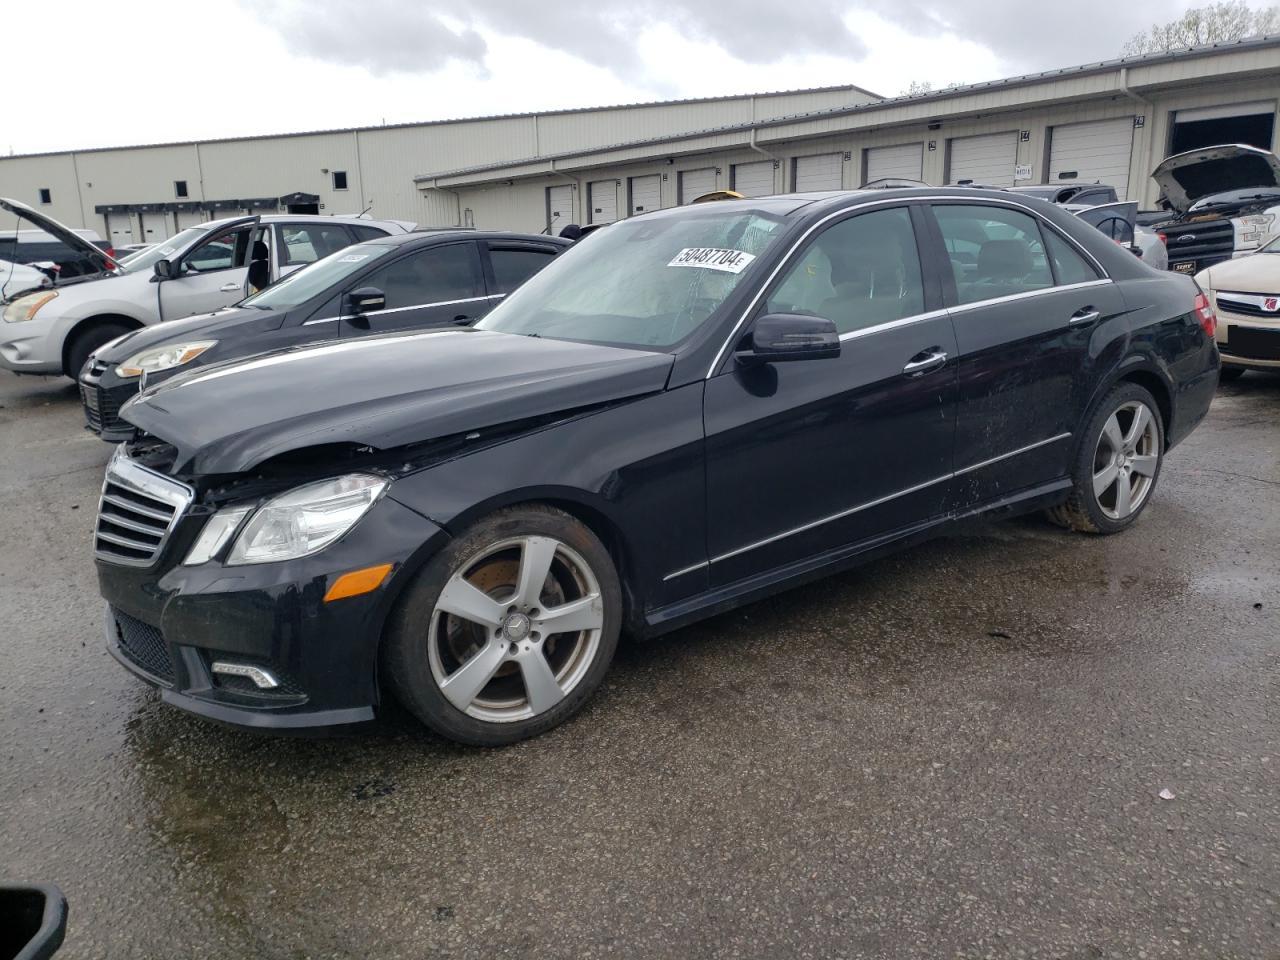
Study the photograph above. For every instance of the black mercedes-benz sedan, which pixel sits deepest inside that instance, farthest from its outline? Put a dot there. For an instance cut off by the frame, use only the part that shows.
(406, 282)
(687, 411)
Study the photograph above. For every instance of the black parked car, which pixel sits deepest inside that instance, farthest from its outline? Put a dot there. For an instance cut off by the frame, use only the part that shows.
(689, 410)
(403, 282)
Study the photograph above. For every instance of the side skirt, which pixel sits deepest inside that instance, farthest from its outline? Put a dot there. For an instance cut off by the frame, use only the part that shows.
(720, 599)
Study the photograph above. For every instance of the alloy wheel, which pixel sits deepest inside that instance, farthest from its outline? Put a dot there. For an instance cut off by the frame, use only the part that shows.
(515, 629)
(1126, 459)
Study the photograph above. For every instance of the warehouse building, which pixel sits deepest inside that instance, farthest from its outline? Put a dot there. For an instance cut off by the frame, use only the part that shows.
(1110, 122)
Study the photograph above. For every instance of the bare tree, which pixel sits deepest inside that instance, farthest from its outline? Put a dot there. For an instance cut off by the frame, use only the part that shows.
(917, 87)
(1215, 23)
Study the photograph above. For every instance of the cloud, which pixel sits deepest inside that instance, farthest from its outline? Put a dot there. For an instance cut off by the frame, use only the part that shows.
(407, 36)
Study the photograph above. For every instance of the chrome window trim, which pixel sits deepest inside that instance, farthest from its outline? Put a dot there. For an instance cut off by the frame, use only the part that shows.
(813, 524)
(681, 572)
(903, 201)
(966, 307)
(414, 306)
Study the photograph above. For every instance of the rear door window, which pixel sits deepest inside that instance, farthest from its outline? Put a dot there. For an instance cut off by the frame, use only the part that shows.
(512, 266)
(994, 251)
(307, 243)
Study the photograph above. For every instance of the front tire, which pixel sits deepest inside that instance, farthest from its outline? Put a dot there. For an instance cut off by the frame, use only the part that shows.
(87, 341)
(1117, 463)
(508, 631)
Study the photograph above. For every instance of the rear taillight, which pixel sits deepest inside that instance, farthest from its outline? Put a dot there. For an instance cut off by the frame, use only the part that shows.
(1204, 313)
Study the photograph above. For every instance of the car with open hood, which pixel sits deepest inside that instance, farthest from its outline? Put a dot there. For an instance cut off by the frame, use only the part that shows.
(688, 410)
(406, 282)
(1246, 295)
(197, 270)
(1222, 201)
(46, 252)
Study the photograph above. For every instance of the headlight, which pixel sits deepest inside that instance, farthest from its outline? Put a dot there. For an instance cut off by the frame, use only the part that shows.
(163, 358)
(24, 308)
(302, 521)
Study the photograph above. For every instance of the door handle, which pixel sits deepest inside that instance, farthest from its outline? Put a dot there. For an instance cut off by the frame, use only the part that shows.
(228, 287)
(1085, 315)
(462, 318)
(924, 362)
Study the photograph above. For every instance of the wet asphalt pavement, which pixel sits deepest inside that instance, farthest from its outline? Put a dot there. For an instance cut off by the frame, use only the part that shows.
(955, 752)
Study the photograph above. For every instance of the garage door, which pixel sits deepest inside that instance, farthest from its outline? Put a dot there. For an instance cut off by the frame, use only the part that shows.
(602, 198)
(119, 229)
(645, 194)
(823, 172)
(190, 218)
(559, 208)
(905, 161)
(155, 227)
(694, 183)
(988, 159)
(1092, 152)
(1248, 123)
(752, 179)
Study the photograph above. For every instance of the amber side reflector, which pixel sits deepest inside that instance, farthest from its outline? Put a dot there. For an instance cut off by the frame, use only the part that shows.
(357, 582)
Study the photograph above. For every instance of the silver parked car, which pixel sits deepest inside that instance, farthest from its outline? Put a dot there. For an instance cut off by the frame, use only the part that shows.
(199, 270)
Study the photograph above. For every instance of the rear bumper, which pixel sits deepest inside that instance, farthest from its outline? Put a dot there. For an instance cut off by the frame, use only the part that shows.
(168, 626)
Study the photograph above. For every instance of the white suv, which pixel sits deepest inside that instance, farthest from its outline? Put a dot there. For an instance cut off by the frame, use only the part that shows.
(199, 270)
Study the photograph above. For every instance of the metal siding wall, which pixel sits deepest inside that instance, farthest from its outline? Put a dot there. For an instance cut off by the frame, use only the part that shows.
(22, 177)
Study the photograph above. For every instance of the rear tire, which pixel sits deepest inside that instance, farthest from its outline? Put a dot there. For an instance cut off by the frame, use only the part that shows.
(1117, 463)
(1227, 374)
(472, 650)
(87, 341)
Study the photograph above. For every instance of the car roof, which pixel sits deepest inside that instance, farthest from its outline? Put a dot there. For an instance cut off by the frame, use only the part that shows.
(427, 237)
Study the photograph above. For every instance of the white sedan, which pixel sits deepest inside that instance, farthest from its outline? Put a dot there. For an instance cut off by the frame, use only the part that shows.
(1245, 293)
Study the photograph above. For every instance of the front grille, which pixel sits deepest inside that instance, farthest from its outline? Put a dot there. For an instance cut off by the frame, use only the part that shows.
(138, 510)
(1204, 242)
(1252, 343)
(1251, 304)
(101, 410)
(143, 645)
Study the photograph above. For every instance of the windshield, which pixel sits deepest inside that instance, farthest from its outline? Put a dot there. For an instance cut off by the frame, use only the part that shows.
(146, 259)
(649, 282)
(301, 285)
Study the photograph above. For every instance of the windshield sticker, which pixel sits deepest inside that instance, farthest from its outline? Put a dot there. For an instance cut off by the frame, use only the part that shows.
(713, 258)
(354, 258)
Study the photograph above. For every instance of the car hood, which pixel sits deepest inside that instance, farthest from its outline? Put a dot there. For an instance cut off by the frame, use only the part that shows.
(58, 231)
(1256, 273)
(382, 392)
(1187, 177)
(227, 322)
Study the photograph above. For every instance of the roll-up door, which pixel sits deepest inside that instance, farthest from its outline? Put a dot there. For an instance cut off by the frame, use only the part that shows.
(1096, 152)
(822, 172)
(644, 194)
(119, 229)
(602, 198)
(752, 179)
(1252, 124)
(155, 227)
(904, 161)
(559, 208)
(190, 218)
(989, 159)
(694, 183)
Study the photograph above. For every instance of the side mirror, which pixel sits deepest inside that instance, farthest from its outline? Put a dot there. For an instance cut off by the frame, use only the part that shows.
(366, 300)
(33, 921)
(164, 270)
(791, 336)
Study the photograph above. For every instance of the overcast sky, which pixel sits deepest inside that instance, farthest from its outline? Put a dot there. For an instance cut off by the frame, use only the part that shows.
(87, 73)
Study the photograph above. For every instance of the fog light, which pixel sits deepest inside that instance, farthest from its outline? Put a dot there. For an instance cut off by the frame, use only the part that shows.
(262, 679)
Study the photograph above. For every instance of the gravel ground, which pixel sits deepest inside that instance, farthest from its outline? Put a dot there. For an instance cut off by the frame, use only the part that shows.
(955, 752)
